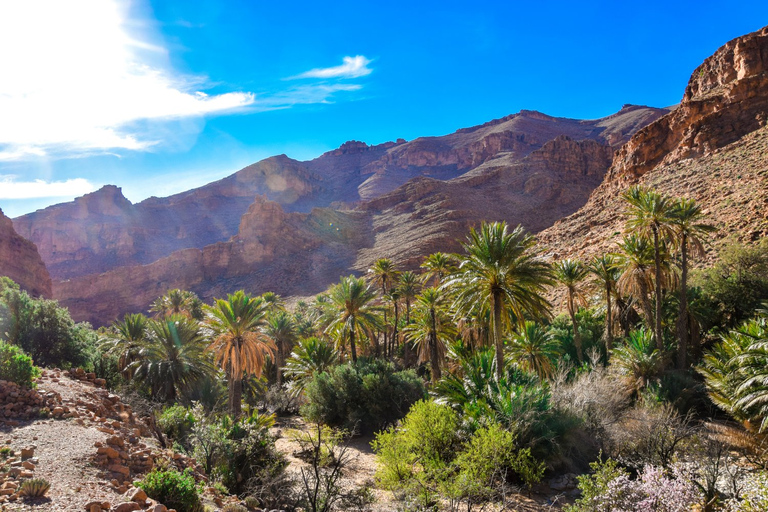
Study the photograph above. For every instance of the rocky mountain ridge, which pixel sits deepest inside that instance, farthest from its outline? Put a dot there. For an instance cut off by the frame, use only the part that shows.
(20, 261)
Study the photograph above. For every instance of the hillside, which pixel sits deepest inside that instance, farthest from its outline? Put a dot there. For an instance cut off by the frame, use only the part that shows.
(20, 261)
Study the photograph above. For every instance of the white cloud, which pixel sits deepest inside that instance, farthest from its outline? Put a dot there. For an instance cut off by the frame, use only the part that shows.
(72, 79)
(11, 189)
(353, 67)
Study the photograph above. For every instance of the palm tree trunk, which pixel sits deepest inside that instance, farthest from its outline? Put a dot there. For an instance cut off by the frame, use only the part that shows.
(279, 362)
(608, 319)
(682, 316)
(394, 342)
(434, 355)
(657, 320)
(407, 346)
(576, 333)
(645, 304)
(235, 393)
(352, 348)
(496, 311)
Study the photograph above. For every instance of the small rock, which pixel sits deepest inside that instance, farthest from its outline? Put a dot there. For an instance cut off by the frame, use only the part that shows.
(138, 496)
(128, 506)
(28, 452)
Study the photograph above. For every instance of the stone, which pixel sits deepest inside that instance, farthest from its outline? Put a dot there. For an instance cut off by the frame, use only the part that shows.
(158, 508)
(28, 452)
(128, 506)
(138, 495)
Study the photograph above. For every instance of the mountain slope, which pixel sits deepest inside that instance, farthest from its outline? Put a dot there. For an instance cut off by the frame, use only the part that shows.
(20, 261)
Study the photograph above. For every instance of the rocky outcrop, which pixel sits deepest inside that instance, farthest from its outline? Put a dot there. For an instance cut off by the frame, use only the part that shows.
(20, 261)
(725, 100)
(711, 148)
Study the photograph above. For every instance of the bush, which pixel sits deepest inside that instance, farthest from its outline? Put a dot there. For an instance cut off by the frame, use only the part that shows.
(16, 366)
(430, 456)
(172, 489)
(366, 396)
(176, 422)
(45, 331)
(591, 327)
(610, 489)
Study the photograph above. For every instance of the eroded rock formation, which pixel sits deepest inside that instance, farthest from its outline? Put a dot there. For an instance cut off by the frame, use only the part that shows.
(20, 261)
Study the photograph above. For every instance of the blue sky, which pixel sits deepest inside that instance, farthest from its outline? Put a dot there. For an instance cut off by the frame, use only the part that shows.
(162, 96)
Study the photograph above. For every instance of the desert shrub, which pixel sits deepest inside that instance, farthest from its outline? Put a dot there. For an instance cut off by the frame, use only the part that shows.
(234, 507)
(176, 422)
(34, 487)
(754, 495)
(16, 366)
(282, 400)
(45, 331)
(430, 456)
(105, 367)
(367, 395)
(610, 489)
(173, 489)
(650, 434)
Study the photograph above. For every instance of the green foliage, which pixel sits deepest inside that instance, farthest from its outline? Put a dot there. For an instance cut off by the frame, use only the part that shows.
(591, 326)
(310, 356)
(594, 486)
(34, 487)
(172, 489)
(638, 359)
(367, 395)
(45, 331)
(737, 284)
(534, 349)
(176, 422)
(16, 366)
(431, 456)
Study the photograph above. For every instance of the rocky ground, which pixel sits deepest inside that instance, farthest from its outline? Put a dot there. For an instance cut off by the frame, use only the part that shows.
(90, 446)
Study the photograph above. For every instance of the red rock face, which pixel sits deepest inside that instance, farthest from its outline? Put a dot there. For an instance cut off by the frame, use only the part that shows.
(20, 261)
(725, 100)
(711, 148)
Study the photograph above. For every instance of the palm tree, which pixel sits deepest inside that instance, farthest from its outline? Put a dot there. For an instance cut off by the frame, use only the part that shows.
(636, 263)
(310, 356)
(652, 215)
(351, 312)
(282, 329)
(408, 287)
(126, 341)
(436, 266)
(172, 357)
(690, 232)
(534, 350)
(501, 274)
(177, 302)
(431, 330)
(638, 360)
(393, 297)
(606, 269)
(384, 273)
(239, 346)
(273, 302)
(571, 273)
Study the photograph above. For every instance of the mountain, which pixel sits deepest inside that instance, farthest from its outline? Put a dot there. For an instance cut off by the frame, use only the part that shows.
(20, 261)
(103, 230)
(712, 148)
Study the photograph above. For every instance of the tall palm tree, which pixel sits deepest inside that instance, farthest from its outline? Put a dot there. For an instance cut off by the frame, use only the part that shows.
(352, 313)
(501, 274)
(636, 263)
(282, 329)
(431, 330)
(652, 215)
(393, 297)
(177, 302)
(534, 349)
(384, 273)
(690, 231)
(606, 269)
(273, 302)
(408, 287)
(240, 347)
(436, 266)
(571, 274)
(172, 357)
(126, 340)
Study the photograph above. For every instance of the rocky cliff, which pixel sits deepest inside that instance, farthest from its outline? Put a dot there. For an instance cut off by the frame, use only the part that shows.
(711, 148)
(20, 261)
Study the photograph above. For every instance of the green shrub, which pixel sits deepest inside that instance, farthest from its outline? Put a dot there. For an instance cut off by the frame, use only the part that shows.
(172, 489)
(594, 486)
(367, 396)
(176, 422)
(16, 366)
(34, 487)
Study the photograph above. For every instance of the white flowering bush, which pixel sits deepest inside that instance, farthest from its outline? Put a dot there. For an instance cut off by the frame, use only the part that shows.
(610, 489)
